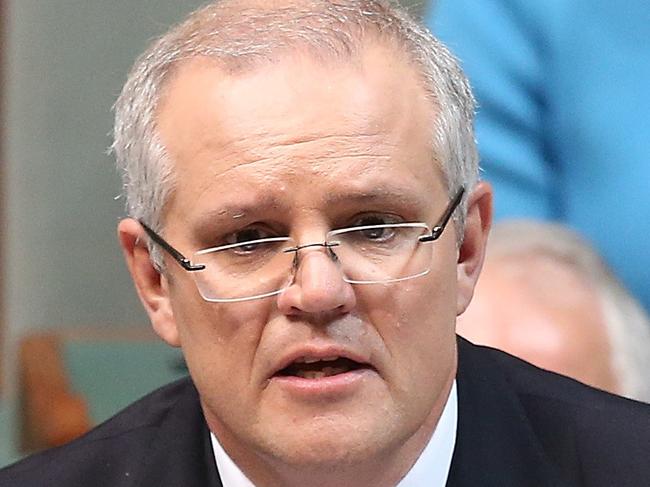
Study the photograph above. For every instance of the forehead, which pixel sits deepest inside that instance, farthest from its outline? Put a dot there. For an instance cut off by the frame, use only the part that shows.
(351, 124)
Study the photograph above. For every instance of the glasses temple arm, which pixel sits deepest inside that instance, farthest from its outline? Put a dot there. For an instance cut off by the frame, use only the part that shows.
(439, 227)
(184, 262)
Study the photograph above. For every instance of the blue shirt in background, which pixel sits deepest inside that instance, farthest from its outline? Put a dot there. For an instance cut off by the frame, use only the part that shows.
(564, 119)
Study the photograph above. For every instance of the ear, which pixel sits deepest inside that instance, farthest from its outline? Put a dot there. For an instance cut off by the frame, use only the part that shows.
(472, 250)
(150, 284)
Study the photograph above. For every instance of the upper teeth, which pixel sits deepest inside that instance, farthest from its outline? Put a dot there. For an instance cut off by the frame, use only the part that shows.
(311, 360)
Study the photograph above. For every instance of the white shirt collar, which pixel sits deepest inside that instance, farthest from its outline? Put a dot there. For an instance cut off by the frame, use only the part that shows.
(231, 475)
(430, 469)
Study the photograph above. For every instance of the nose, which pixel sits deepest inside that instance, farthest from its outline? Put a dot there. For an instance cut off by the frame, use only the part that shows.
(318, 287)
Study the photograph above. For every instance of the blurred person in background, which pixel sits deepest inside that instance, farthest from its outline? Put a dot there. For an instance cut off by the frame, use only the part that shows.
(546, 296)
(563, 125)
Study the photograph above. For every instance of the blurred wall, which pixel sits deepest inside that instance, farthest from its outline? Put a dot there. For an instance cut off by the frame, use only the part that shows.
(65, 63)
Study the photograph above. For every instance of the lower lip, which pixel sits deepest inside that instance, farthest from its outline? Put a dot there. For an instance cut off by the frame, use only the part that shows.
(334, 385)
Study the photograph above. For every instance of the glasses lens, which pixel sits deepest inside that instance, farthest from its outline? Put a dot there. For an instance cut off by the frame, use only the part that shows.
(382, 253)
(246, 270)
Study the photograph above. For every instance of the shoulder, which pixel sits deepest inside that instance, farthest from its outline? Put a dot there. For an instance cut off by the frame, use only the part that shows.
(535, 385)
(107, 451)
(606, 436)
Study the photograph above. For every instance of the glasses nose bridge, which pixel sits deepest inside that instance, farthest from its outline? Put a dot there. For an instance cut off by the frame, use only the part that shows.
(320, 281)
(327, 246)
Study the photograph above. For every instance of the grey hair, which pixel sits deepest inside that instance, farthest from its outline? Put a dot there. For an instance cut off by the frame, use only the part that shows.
(242, 34)
(627, 325)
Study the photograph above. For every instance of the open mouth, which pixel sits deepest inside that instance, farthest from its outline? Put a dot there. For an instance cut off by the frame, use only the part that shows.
(306, 368)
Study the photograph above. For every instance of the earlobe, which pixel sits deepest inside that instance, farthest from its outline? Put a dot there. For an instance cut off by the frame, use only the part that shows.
(150, 284)
(472, 250)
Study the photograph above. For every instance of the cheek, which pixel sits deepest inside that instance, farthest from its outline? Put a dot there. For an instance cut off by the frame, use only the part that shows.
(219, 340)
(425, 306)
(416, 321)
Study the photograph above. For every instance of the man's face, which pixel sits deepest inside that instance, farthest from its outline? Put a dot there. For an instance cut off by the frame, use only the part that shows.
(298, 148)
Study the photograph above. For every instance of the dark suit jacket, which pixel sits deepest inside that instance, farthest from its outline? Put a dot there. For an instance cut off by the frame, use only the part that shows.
(518, 426)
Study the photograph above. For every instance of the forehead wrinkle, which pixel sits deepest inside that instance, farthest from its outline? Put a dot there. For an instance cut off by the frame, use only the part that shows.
(264, 143)
(333, 146)
(277, 162)
(311, 138)
(363, 135)
(261, 147)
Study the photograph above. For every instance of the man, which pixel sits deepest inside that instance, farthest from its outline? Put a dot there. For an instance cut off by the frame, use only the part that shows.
(306, 223)
(546, 296)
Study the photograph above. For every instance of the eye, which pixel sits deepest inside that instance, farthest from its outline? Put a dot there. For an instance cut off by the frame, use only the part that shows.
(249, 239)
(245, 250)
(378, 234)
(247, 234)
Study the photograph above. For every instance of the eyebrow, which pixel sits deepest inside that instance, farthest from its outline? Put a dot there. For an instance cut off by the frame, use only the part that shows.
(375, 194)
(229, 211)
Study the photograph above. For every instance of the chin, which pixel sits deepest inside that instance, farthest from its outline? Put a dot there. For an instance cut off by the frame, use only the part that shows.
(330, 443)
(327, 453)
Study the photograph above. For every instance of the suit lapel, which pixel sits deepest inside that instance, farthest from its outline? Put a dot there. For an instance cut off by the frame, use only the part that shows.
(495, 443)
(181, 454)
